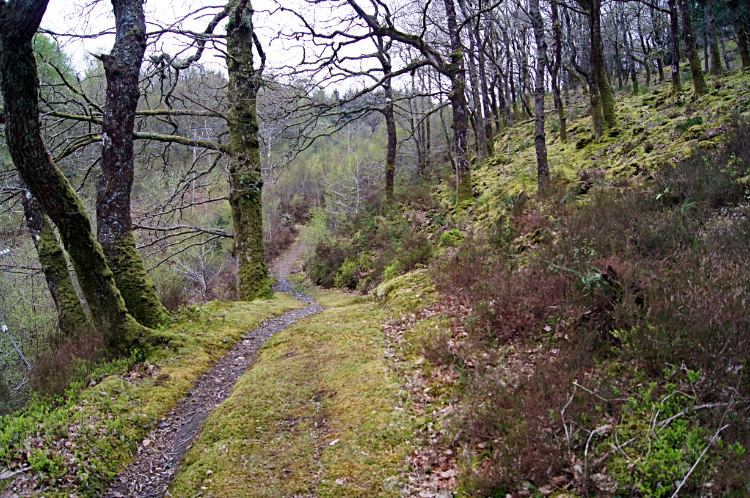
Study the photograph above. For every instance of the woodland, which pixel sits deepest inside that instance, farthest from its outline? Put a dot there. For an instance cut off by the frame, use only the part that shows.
(446, 248)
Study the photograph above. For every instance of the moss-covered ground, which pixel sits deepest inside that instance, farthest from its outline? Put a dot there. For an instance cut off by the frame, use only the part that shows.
(76, 443)
(654, 129)
(322, 412)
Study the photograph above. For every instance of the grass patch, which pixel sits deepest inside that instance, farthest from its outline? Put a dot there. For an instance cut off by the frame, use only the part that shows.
(321, 413)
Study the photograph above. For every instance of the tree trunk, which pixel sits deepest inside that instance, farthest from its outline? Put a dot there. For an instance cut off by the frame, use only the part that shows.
(245, 181)
(474, 44)
(658, 40)
(114, 225)
(555, 71)
(713, 43)
(71, 317)
(485, 98)
(633, 72)
(605, 89)
(596, 68)
(390, 154)
(724, 53)
(699, 84)
(19, 21)
(674, 34)
(457, 74)
(390, 123)
(542, 166)
(740, 29)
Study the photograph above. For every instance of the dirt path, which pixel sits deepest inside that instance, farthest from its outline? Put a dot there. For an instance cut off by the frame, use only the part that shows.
(161, 452)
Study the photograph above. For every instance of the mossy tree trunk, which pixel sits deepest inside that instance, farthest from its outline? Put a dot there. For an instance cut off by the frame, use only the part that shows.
(245, 181)
(457, 75)
(485, 96)
(19, 21)
(740, 30)
(71, 317)
(390, 122)
(477, 112)
(699, 83)
(596, 68)
(607, 95)
(674, 34)
(713, 43)
(555, 70)
(114, 225)
(541, 61)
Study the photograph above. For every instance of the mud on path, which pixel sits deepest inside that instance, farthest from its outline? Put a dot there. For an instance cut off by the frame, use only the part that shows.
(160, 453)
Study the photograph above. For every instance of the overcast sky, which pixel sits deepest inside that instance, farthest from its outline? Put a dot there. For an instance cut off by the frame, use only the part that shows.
(90, 17)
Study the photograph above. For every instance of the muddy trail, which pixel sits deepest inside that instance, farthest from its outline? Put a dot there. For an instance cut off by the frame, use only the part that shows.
(160, 453)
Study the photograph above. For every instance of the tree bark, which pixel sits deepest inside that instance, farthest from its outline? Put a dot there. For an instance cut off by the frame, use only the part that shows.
(596, 67)
(19, 21)
(674, 34)
(658, 40)
(390, 123)
(740, 30)
(699, 84)
(457, 75)
(245, 181)
(542, 167)
(713, 43)
(71, 317)
(475, 46)
(555, 70)
(114, 225)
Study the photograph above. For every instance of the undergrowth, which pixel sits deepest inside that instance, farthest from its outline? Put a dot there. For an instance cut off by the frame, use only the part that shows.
(607, 338)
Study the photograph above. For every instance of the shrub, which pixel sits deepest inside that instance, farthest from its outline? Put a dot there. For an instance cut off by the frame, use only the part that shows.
(325, 263)
(67, 359)
(280, 239)
(451, 238)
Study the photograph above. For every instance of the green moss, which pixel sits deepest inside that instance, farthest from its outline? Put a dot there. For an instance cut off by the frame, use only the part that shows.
(408, 292)
(319, 413)
(608, 99)
(134, 284)
(72, 317)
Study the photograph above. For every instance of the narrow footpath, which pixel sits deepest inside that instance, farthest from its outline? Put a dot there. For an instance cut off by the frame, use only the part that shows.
(160, 453)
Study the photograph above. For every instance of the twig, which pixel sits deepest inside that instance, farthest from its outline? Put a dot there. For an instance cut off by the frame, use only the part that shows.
(677, 491)
(666, 422)
(7, 474)
(5, 329)
(599, 430)
(562, 414)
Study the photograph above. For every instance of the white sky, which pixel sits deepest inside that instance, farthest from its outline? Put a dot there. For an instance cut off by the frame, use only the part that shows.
(89, 17)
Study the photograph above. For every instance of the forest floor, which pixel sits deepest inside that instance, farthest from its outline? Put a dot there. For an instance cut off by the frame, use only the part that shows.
(160, 453)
